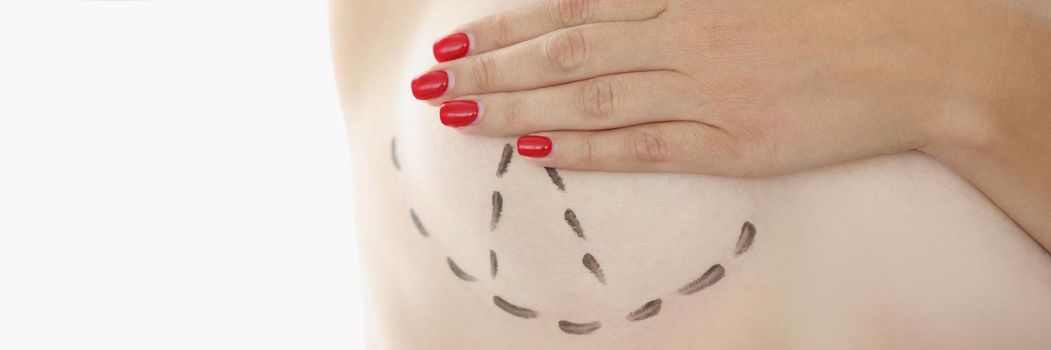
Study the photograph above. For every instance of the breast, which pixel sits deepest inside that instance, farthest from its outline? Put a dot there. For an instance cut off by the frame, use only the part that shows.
(845, 246)
(647, 232)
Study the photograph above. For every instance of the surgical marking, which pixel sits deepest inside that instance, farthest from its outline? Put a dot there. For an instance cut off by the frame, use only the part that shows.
(648, 310)
(492, 263)
(513, 309)
(578, 328)
(418, 224)
(556, 179)
(744, 242)
(592, 265)
(710, 277)
(498, 209)
(394, 153)
(574, 223)
(459, 272)
(505, 160)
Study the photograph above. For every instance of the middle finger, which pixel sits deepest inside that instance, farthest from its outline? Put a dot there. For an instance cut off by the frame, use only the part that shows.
(559, 57)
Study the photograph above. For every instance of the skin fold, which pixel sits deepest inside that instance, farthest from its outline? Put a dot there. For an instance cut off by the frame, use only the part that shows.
(758, 88)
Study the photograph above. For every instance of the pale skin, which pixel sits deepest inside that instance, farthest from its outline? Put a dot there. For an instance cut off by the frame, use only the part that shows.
(751, 89)
(888, 252)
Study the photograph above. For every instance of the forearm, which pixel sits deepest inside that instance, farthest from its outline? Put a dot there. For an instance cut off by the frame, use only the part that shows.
(1040, 7)
(1016, 175)
(1002, 141)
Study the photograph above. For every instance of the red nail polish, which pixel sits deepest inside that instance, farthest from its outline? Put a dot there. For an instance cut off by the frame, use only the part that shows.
(534, 146)
(430, 85)
(452, 47)
(459, 113)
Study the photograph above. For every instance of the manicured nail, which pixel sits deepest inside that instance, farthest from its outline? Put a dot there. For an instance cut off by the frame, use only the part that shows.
(533, 146)
(430, 85)
(459, 113)
(452, 47)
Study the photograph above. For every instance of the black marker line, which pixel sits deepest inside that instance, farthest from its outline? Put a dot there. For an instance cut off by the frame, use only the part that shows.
(594, 267)
(419, 225)
(744, 242)
(556, 179)
(578, 328)
(574, 223)
(498, 209)
(492, 263)
(459, 272)
(505, 160)
(513, 309)
(651, 309)
(394, 153)
(714, 274)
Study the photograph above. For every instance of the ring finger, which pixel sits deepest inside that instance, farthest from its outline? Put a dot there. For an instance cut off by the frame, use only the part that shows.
(606, 102)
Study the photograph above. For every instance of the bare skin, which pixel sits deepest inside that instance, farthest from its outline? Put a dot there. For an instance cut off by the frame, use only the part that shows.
(889, 252)
(753, 88)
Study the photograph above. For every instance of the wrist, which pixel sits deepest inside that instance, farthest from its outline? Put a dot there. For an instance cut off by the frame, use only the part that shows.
(998, 91)
(995, 128)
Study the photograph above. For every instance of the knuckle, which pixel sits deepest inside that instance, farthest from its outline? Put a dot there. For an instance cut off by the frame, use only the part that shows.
(512, 115)
(501, 29)
(746, 158)
(483, 72)
(566, 49)
(646, 147)
(587, 154)
(597, 98)
(568, 13)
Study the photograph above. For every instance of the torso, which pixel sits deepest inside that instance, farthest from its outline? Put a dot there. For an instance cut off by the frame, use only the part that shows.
(888, 252)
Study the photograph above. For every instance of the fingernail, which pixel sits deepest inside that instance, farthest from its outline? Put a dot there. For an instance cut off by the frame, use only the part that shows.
(430, 85)
(459, 113)
(452, 47)
(533, 146)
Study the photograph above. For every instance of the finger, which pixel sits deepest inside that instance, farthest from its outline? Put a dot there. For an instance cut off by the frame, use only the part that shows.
(531, 21)
(688, 147)
(564, 56)
(606, 102)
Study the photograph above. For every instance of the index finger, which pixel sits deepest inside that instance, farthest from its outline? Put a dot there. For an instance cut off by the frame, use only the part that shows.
(531, 21)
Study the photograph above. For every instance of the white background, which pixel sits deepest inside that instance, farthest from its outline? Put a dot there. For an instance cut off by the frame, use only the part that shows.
(173, 175)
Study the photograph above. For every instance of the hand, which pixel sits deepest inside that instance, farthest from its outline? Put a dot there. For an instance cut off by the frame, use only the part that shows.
(752, 88)
(741, 88)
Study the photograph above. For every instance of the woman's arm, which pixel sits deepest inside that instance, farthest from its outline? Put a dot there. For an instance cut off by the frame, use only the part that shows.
(754, 88)
(1000, 140)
